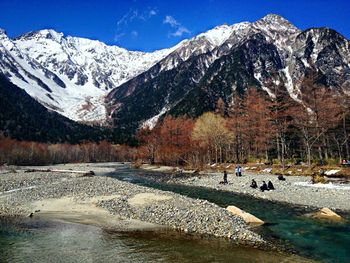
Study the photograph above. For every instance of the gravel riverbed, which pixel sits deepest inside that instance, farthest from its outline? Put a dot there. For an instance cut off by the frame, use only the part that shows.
(295, 190)
(19, 190)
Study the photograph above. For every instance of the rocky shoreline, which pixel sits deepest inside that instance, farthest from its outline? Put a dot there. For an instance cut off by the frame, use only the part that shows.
(20, 193)
(296, 190)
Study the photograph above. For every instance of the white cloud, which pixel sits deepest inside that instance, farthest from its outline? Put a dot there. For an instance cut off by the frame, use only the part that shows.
(180, 29)
(131, 16)
(171, 21)
(134, 34)
(126, 18)
(117, 37)
(152, 12)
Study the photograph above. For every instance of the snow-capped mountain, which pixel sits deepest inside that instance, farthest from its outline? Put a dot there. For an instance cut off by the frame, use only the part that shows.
(87, 80)
(70, 75)
(269, 54)
(73, 75)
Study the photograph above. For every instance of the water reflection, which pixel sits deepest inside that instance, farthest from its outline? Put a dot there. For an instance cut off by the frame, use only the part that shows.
(48, 241)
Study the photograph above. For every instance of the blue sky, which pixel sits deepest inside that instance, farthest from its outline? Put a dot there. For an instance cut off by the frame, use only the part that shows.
(155, 24)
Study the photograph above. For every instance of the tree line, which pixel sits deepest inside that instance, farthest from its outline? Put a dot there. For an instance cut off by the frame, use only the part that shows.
(15, 152)
(313, 128)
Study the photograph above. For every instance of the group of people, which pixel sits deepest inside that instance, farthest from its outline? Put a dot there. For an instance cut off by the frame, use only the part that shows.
(345, 162)
(264, 187)
(238, 171)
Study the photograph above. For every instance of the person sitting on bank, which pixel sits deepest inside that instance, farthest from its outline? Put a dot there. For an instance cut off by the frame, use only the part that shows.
(281, 178)
(264, 187)
(270, 186)
(345, 163)
(254, 185)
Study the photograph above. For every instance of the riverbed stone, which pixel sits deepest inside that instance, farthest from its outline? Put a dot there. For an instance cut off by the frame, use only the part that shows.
(326, 213)
(247, 217)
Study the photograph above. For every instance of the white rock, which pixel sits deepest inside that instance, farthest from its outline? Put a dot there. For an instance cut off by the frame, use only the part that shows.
(247, 217)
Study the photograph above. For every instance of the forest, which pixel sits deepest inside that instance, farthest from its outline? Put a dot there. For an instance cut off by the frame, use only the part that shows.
(15, 152)
(256, 128)
(313, 129)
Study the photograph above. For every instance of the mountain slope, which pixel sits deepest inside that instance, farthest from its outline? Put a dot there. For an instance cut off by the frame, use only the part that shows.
(67, 74)
(23, 118)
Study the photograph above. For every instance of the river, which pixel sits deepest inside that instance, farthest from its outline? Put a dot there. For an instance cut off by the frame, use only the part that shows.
(37, 240)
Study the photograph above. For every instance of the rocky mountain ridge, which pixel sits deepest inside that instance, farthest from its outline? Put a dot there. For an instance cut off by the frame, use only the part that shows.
(87, 80)
(269, 54)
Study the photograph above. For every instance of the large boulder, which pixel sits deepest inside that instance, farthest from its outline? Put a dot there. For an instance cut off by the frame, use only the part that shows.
(247, 217)
(326, 213)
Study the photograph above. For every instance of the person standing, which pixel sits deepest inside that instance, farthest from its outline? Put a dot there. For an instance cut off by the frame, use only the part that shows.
(225, 177)
(238, 170)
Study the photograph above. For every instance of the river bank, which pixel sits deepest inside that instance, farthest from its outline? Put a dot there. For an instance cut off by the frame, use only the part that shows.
(295, 190)
(111, 203)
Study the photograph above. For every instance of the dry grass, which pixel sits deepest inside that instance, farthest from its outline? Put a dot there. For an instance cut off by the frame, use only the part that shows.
(318, 179)
(137, 164)
(300, 170)
(294, 170)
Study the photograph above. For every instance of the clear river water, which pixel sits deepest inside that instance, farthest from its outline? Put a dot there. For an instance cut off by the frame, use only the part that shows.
(34, 240)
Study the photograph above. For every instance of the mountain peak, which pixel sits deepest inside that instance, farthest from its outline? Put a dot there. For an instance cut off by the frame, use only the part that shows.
(221, 33)
(73, 75)
(276, 21)
(51, 33)
(3, 34)
(43, 34)
(274, 17)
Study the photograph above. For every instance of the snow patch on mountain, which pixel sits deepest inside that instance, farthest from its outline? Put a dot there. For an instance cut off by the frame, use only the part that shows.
(151, 122)
(71, 75)
(218, 35)
(257, 75)
(292, 90)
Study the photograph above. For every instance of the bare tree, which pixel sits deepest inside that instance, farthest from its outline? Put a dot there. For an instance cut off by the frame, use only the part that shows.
(282, 119)
(210, 130)
(220, 107)
(257, 123)
(317, 115)
(235, 125)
